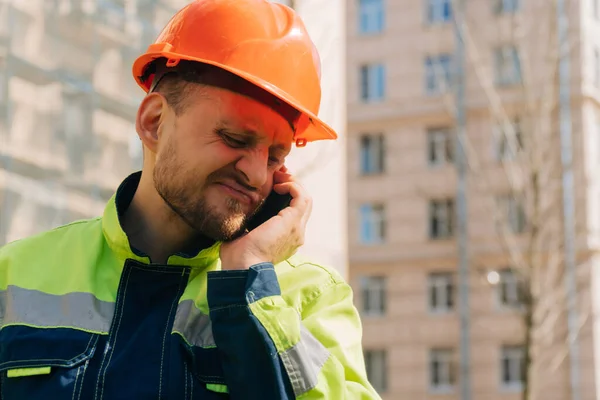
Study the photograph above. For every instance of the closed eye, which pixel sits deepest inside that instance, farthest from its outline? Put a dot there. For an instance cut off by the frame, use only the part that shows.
(233, 142)
(277, 157)
(275, 160)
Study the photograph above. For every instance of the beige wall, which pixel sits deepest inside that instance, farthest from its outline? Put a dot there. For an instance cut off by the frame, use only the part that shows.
(408, 330)
(321, 166)
(61, 159)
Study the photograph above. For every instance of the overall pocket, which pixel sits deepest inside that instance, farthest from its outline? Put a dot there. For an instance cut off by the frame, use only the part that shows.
(44, 363)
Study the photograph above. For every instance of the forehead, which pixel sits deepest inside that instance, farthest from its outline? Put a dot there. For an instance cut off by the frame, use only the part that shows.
(243, 112)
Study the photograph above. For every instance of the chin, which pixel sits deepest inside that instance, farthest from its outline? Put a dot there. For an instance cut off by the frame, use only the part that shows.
(218, 218)
(223, 226)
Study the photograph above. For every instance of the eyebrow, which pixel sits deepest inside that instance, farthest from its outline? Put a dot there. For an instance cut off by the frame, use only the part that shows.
(251, 134)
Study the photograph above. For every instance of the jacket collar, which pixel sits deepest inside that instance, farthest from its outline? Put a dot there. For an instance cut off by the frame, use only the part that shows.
(119, 243)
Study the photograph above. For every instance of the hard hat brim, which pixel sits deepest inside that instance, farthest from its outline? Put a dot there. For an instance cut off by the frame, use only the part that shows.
(311, 127)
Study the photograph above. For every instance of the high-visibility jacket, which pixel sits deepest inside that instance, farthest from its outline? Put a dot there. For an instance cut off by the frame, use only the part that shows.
(83, 316)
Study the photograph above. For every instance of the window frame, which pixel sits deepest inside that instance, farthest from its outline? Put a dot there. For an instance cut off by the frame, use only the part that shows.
(377, 219)
(439, 73)
(443, 285)
(371, 17)
(446, 358)
(505, 57)
(506, 353)
(379, 381)
(440, 140)
(373, 290)
(438, 11)
(371, 147)
(445, 207)
(373, 82)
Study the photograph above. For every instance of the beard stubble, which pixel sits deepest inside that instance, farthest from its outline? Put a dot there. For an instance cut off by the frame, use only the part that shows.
(172, 182)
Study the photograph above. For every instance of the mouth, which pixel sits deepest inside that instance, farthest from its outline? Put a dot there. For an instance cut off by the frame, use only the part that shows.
(239, 193)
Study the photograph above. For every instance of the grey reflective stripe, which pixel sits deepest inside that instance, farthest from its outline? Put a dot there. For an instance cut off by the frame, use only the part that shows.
(304, 361)
(76, 310)
(195, 326)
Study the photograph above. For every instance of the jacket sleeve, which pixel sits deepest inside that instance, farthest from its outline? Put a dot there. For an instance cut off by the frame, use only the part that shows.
(269, 351)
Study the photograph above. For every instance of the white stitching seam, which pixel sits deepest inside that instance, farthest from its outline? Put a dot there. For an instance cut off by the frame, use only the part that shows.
(76, 379)
(83, 378)
(162, 356)
(110, 336)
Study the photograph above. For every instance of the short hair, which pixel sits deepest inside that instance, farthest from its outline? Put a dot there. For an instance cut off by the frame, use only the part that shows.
(178, 83)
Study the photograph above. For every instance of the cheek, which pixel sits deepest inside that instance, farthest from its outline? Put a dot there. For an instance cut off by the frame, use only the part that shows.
(204, 159)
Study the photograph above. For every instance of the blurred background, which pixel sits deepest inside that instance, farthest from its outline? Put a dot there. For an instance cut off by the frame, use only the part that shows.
(461, 202)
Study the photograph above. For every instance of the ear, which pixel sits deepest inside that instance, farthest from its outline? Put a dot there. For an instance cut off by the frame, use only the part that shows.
(150, 115)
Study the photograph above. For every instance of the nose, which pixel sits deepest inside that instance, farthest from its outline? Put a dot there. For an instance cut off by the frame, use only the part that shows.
(255, 166)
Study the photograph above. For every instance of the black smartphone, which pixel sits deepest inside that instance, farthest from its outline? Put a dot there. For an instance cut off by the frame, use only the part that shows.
(274, 203)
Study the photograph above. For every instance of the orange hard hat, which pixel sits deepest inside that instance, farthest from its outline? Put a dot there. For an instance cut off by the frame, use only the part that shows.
(262, 42)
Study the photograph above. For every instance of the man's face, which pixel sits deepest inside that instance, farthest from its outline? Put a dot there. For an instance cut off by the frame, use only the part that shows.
(215, 161)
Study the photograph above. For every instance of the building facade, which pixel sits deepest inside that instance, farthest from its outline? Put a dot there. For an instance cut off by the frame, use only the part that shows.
(402, 189)
(67, 106)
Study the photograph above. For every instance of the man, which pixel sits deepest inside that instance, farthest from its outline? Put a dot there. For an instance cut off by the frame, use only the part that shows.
(168, 295)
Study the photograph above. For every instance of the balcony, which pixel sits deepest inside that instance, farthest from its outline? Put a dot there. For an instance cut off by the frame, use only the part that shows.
(27, 69)
(73, 82)
(122, 106)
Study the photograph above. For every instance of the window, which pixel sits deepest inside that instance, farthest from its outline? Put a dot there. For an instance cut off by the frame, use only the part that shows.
(509, 141)
(373, 295)
(75, 117)
(376, 363)
(439, 11)
(372, 82)
(372, 154)
(509, 289)
(371, 16)
(512, 213)
(442, 369)
(507, 66)
(438, 73)
(441, 219)
(512, 363)
(440, 146)
(441, 292)
(506, 6)
(372, 224)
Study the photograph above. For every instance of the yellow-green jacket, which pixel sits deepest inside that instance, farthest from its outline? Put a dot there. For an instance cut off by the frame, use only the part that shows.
(83, 316)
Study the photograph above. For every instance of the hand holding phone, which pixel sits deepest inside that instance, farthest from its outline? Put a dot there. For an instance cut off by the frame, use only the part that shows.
(276, 232)
(274, 203)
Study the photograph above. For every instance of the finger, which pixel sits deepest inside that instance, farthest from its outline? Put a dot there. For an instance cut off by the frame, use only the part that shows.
(282, 177)
(300, 198)
(293, 188)
(306, 215)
